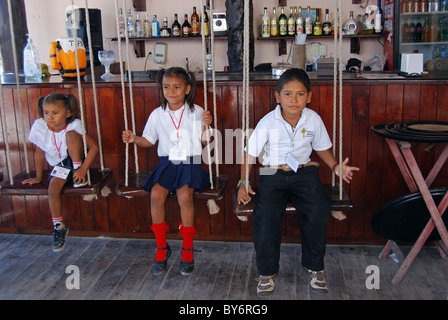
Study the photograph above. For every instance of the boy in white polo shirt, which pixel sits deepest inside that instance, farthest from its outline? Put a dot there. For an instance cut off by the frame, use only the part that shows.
(288, 135)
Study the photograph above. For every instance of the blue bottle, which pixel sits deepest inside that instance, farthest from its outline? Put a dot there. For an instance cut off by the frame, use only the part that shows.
(155, 27)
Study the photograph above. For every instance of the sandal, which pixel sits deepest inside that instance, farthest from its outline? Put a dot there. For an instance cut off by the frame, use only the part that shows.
(160, 266)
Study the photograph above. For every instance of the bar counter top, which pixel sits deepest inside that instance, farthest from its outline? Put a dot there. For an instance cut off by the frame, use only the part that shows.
(231, 77)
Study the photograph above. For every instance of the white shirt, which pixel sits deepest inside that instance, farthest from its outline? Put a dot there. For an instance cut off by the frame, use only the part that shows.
(276, 137)
(162, 123)
(50, 141)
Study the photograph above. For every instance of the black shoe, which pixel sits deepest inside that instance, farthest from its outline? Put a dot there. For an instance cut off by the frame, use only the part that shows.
(59, 234)
(160, 266)
(186, 267)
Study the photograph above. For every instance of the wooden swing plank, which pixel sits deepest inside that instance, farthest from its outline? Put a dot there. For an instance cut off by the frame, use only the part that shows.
(136, 181)
(98, 178)
(332, 192)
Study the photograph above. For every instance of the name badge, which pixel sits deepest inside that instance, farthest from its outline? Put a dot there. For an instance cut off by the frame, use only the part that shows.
(292, 162)
(60, 172)
(177, 154)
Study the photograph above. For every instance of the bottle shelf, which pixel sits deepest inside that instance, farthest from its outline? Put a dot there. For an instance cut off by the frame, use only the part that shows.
(139, 43)
(354, 40)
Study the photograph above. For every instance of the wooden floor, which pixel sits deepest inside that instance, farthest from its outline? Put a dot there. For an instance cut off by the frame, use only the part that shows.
(121, 269)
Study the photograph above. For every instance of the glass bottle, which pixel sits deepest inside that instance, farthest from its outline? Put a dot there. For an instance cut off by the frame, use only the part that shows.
(265, 24)
(206, 30)
(146, 27)
(194, 23)
(351, 26)
(326, 26)
(186, 27)
(291, 22)
(121, 22)
(165, 31)
(283, 23)
(274, 23)
(138, 27)
(308, 22)
(317, 28)
(130, 24)
(176, 28)
(299, 21)
(155, 27)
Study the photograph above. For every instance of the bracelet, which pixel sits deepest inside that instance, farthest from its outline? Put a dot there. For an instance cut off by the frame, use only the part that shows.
(335, 166)
(241, 182)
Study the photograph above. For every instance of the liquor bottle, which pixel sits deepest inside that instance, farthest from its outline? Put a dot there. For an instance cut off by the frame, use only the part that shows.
(206, 30)
(299, 21)
(121, 23)
(194, 23)
(130, 24)
(165, 31)
(146, 27)
(186, 27)
(176, 28)
(274, 23)
(155, 27)
(138, 27)
(283, 23)
(291, 22)
(378, 18)
(265, 24)
(308, 22)
(326, 27)
(317, 28)
(350, 26)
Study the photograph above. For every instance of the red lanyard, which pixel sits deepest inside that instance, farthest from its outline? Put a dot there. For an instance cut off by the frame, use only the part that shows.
(60, 143)
(178, 126)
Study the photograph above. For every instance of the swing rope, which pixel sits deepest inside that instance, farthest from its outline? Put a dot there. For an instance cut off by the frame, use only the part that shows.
(337, 82)
(16, 67)
(78, 79)
(95, 98)
(5, 133)
(204, 79)
(245, 120)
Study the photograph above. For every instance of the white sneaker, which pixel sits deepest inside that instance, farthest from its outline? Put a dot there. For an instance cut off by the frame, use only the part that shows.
(266, 284)
(318, 283)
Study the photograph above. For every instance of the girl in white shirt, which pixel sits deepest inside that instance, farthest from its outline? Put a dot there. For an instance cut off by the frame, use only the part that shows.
(178, 124)
(58, 138)
(288, 135)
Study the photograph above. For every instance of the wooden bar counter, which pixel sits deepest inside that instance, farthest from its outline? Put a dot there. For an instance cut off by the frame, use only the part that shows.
(367, 101)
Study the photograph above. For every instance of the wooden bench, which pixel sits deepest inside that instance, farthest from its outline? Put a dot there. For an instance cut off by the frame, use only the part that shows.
(136, 181)
(244, 210)
(99, 179)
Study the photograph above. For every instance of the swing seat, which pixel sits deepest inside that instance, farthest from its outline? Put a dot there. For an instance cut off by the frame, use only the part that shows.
(136, 181)
(98, 179)
(244, 210)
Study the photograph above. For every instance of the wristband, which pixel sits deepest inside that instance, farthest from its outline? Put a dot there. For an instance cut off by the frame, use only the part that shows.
(241, 182)
(335, 166)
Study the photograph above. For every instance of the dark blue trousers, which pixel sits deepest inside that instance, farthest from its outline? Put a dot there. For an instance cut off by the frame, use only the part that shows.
(305, 191)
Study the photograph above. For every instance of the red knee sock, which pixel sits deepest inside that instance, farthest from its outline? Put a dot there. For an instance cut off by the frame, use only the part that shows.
(160, 230)
(187, 233)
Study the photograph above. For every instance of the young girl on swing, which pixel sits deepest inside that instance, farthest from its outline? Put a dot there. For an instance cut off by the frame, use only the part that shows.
(178, 124)
(58, 139)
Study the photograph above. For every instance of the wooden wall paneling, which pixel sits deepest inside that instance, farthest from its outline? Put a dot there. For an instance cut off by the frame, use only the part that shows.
(375, 160)
(360, 105)
(442, 115)
(231, 119)
(394, 185)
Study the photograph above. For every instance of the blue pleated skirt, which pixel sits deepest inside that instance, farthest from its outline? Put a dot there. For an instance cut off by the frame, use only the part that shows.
(173, 176)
